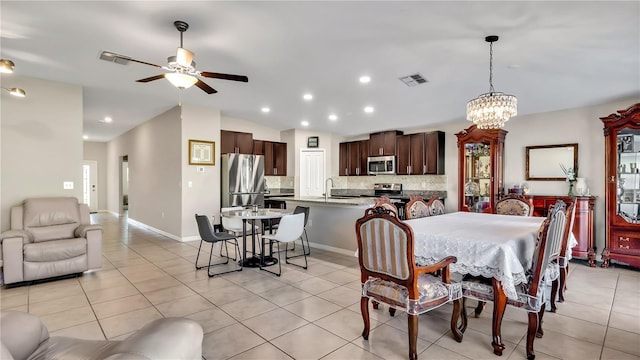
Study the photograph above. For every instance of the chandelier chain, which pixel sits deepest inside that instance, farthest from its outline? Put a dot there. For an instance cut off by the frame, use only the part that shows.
(491, 90)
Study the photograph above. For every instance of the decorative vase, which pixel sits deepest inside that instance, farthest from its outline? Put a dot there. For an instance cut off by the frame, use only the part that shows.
(571, 184)
(581, 186)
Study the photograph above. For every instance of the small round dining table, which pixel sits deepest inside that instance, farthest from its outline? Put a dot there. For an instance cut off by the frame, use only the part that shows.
(253, 215)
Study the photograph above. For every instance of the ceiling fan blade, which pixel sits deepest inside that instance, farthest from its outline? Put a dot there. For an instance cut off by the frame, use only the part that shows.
(224, 76)
(156, 77)
(206, 88)
(126, 58)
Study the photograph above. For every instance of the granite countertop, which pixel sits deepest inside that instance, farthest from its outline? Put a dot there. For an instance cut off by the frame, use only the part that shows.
(341, 201)
(369, 193)
(278, 193)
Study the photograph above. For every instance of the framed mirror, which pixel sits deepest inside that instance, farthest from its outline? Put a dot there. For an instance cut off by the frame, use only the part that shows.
(546, 162)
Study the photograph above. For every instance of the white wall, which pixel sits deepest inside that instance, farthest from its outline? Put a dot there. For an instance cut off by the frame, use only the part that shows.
(40, 141)
(260, 132)
(97, 151)
(203, 197)
(155, 157)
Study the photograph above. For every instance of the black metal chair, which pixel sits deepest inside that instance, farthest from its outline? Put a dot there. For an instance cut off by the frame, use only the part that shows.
(302, 210)
(209, 235)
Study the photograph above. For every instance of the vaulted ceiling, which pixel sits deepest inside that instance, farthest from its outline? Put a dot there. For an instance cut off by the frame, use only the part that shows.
(552, 55)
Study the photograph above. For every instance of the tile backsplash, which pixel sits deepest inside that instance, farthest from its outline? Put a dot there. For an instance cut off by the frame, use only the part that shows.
(409, 182)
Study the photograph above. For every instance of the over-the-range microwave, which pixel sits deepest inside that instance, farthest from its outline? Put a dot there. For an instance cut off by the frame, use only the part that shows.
(377, 165)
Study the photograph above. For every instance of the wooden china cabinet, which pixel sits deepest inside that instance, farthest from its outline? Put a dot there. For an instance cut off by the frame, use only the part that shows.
(480, 168)
(622, 163)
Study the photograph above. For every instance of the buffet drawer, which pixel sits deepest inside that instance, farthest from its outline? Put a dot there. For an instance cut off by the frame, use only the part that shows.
(627, 242)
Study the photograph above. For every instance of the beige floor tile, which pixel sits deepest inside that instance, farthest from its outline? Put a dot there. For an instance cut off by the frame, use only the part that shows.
(437, 352)
(285, 295)
(475, 345)
(263, 285)
(292, 275)
(346, 324)
(389, 343)
(351, 352)
(104, 283)
(130, 262)
(628, 283)
(209, 284)
(612, 354)
(119, 306)
(381, 314)
(68, 318)
(23, 308)
(627, 303)
(625, 322)
(315, 285)
(579, 329)
(600, 300)
(168, 294)
(340, 277)
(520, 352)
(431, 328)
(565, 347)
(312, 308)
(179, 269)
(184, 306)
(227, 294)
(343, 296)
(320, 269)
(274, 323)
(21, 290)
(121, 324)
(212, 319)
(248, 307)
(87, 331)
(308, 342)
(229, 341)
(117, 292)
(265, 351)
(14, 299)
(583, 312)
(58, 304)
(156, 284)
(47, 292)
(624, 341)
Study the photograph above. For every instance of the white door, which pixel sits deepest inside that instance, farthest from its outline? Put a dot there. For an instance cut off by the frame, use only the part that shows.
(90, 184)
(312, 176)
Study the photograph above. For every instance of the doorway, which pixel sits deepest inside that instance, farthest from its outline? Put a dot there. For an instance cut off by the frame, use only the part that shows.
(312, 172)
(90, 184)
(124, 184)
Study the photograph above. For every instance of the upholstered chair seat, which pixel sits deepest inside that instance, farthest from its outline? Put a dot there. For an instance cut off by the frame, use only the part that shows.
(514, 205)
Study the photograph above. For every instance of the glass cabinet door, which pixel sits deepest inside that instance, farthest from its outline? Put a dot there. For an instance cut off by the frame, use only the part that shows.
(628, 163)
(477, 176)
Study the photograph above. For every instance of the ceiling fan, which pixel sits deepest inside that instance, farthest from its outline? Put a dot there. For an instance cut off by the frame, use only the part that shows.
(182, 69)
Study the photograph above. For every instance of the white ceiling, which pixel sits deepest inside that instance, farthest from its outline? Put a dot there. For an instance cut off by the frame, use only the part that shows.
(552, 55)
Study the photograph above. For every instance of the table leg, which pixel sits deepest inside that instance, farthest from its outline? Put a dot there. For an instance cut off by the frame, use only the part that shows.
(499, 306)
(244, 241)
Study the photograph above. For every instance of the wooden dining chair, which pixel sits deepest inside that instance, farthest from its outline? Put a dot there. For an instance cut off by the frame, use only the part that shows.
(385, 202)
(513, 204)
(389, 273)
(558, 268)
(531, 295)
(416, 208)
(436, 206)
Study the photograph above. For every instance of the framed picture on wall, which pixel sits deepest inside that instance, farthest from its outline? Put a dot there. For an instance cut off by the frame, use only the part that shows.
(202, 152)
(312, 142)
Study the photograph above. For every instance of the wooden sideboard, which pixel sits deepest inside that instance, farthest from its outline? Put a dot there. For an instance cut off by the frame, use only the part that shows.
(583, 225)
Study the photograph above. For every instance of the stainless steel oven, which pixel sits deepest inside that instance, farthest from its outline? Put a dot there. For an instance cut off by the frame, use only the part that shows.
(377, 165)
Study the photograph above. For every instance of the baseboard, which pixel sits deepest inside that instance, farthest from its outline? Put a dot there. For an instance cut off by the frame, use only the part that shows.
(333, 249)
(169, 235)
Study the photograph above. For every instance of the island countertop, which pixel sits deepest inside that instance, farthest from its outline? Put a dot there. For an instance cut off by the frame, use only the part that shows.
(332, 201)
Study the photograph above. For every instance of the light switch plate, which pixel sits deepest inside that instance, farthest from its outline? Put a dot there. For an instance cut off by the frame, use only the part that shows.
(200, 168)
(67, 185)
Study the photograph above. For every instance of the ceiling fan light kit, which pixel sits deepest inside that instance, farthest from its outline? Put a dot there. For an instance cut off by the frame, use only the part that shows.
(6, 66)
(182, 69)
(491, 110)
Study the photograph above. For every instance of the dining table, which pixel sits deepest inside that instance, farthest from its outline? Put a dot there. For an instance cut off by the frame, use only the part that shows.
(488, 245)
(251, 215)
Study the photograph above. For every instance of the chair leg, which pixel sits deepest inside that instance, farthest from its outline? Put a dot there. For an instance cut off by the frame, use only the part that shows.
(308, 246)
(302, 239)
(392, 311)
(304, 254)
(479, 308)
(279, 261)
(210, 265)
(198, 256)
(413, 336)
(456, 329)
(364, 310)
(531, 334)
(539, 331)
(554, 293)
(563, 283)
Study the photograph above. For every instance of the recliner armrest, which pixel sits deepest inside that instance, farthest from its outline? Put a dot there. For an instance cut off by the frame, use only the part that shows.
(81, 231)
(168, 338)
(25, 235)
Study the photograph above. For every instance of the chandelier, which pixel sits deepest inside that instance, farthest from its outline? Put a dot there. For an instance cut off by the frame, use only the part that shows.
(491, 110)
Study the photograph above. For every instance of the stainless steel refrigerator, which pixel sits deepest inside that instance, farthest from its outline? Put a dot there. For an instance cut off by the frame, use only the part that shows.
(242, 180)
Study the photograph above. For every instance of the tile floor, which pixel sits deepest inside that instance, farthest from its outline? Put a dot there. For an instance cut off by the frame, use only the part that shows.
(312, 314)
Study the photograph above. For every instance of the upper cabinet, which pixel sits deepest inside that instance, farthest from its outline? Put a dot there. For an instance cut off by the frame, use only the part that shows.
(420, 153)
(383, 143)
(353, 158)
(275, 158)
(622, 163)
(236, 142)
(480, 168)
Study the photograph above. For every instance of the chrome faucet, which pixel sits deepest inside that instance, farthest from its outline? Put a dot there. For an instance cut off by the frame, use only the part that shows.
(327, 189)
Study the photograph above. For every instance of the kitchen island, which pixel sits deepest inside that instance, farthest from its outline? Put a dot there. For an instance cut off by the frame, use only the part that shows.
(332, 223)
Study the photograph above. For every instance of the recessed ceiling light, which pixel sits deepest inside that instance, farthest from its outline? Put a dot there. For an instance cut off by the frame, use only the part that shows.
(307, 97)
(304, 123)
(333, 117)
(86, 137)
(108, 119)
(265, 109)
(365, 79)
(368, 109)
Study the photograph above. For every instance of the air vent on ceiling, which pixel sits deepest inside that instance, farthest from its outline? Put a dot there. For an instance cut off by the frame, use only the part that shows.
(413, 80)
(113, 57)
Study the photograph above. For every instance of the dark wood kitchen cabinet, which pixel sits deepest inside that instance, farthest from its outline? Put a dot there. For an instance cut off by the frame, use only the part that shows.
(383, 143)
(275, 158)
(420, 153)
(353, 158)
(236, 142)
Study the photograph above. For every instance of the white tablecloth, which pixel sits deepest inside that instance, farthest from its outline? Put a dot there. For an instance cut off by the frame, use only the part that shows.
(489, 245)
